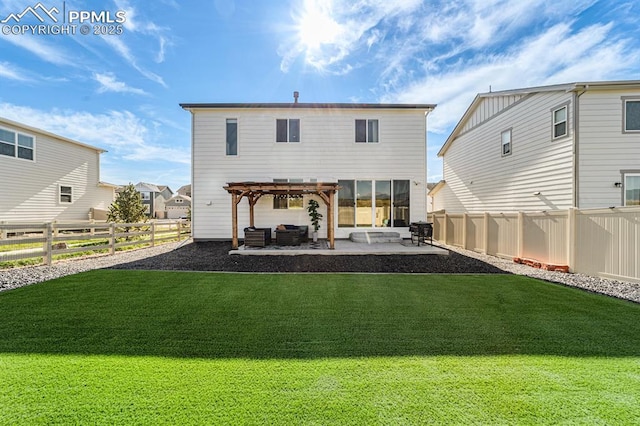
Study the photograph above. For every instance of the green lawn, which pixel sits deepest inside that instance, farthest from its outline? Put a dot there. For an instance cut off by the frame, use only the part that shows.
(123, 347)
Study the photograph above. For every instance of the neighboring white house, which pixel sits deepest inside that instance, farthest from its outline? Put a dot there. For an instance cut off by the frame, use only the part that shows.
(544, 148)
(375, 152)
(178, 206)
(46, 177)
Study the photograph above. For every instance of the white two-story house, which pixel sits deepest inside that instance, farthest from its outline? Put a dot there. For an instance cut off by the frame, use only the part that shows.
(46, 177)
(375, 153)
(544, 148)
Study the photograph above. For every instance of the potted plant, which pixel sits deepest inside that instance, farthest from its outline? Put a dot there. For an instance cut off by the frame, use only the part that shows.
(315, 216)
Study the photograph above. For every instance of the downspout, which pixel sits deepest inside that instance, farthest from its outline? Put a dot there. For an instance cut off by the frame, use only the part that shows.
(576, 144)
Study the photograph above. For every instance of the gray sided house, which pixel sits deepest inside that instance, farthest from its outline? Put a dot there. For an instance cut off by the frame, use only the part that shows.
(154, 198)
(46, 177)
(544, 148)
(374, 153)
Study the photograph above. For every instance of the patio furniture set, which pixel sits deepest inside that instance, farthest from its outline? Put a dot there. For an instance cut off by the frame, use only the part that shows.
(286, 235)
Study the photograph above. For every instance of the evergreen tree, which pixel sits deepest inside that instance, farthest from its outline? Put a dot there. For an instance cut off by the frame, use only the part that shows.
(127, 207)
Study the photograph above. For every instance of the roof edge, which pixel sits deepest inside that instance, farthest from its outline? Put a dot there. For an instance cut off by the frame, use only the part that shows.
(192, 106)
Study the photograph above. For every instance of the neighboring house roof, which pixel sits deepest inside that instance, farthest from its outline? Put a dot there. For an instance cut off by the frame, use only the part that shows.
(109, 185)
(568, 87)
(12, 123)
(147, 187)
(185, 189)
(177, 196)
(436, 187)
(188, 106)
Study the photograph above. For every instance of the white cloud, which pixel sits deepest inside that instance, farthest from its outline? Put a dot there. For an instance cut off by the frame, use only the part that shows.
(134, 23)
(122, 133)
(109, 83)
(123, 50)
(12, 72)
(555, 56)
(39, 47)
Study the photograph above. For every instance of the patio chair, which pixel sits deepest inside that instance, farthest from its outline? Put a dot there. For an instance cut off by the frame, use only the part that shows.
(257, 237)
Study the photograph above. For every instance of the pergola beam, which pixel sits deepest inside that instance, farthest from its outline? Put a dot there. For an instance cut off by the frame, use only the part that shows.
(253, 191)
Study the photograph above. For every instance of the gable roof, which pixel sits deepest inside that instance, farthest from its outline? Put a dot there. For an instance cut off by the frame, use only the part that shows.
(568, 87)
(147, 187)
(7, 122)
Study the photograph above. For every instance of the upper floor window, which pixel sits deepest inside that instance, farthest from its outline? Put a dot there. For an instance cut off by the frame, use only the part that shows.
(560, 122)
(232, 136)
(367, 131)
(631, 115)
(179, 201)
(505, 139)
(15, 144)
(66, 194)
(146, 196)
(288, 130)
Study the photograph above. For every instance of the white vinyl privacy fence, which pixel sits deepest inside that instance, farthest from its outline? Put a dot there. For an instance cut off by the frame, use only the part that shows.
(47, 242)
(597, 242)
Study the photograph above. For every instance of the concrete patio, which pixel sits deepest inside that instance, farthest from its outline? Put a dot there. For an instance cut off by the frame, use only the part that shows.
(343, 248)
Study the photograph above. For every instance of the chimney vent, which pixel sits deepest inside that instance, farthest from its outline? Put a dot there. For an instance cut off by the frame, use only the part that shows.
(295, 97)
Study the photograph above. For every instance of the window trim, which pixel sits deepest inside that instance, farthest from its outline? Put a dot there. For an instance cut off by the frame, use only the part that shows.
(625, 174)
(502, 144)
(60, 194)
(367, 134)
(16, 145)
(626, 99)
(226, 141)
(288, 121)
(566, 121)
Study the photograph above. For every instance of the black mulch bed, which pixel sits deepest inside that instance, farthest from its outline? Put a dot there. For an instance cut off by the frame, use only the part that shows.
(214, 256)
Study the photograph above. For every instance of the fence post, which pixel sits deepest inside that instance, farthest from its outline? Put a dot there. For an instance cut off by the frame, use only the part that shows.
(485, 235)
(444, 227)
(572, 244)
(179, 228)
(520, 234)
(3, 230)
(112, 228)
(465, 217)
(153, 234)
(48, 248)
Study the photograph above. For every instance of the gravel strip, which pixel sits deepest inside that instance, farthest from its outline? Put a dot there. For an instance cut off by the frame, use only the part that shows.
(213, 256)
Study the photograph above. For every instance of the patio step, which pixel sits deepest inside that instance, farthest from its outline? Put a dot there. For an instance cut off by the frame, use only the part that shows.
(371, 237)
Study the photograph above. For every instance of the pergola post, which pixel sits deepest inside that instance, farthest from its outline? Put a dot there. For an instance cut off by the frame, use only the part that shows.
(330, 232)
(234, 220)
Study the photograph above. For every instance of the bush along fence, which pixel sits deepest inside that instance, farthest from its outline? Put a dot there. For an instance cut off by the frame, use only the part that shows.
(596, 242)
(29, 243)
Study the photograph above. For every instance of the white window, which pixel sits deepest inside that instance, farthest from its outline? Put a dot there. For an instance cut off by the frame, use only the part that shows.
(505, 140)
(146, 196)
(560, 122)
(367, 131)
(631, 116)
(179, 200)
(632, 189)
(65, 194)
(288, 130)
(17, 145)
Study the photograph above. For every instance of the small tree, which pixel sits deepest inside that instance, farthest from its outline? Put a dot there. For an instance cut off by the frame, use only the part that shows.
(127, 207)
(315, 216)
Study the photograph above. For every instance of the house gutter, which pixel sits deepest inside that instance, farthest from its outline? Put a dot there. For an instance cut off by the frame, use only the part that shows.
(576, 142)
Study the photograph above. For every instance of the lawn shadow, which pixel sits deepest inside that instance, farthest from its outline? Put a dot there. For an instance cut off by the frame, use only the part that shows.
(309, 316)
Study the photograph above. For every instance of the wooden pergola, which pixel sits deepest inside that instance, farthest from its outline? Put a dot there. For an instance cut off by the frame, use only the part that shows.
(253, 191)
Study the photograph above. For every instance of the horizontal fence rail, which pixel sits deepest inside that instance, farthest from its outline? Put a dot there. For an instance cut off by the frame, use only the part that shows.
(46, 242)
(597, 242)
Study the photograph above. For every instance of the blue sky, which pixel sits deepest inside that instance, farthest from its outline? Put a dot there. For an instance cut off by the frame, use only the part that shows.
(121, 92)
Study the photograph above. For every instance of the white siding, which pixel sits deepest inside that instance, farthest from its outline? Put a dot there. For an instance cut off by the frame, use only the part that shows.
(488, 108)
(327, 152)
(604, 150)
(30, 189)
(480, 179)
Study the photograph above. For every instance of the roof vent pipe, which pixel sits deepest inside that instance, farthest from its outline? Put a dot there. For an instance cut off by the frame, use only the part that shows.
(295, 97)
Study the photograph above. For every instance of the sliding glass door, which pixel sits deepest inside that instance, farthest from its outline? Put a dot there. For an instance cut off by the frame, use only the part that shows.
(373, 203)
